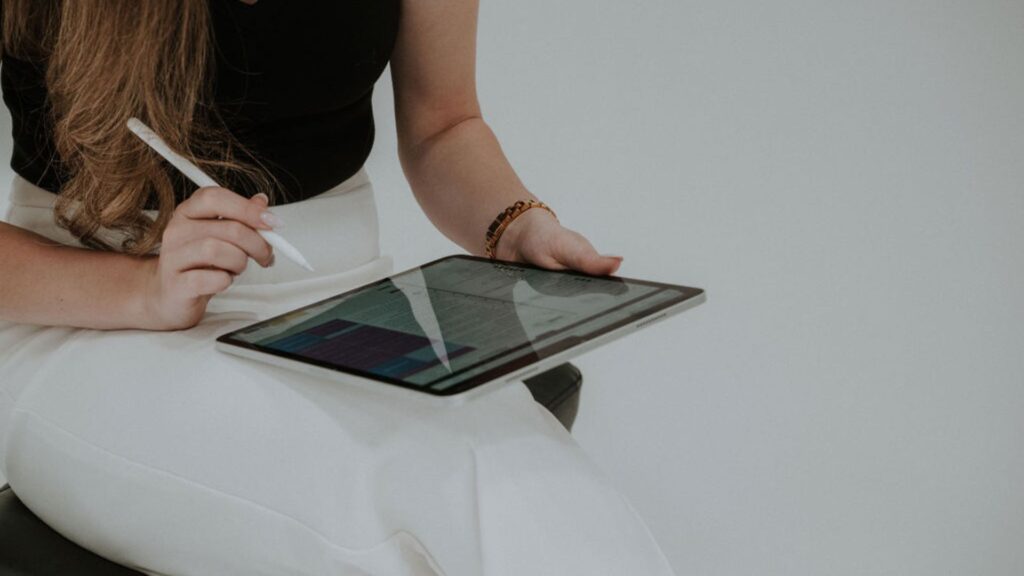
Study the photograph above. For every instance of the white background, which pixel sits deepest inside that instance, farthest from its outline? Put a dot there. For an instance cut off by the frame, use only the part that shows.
(846, 180)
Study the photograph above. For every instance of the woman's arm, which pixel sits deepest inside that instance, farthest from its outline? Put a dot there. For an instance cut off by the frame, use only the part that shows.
(42, 282)
(209, 240)
(453, 161)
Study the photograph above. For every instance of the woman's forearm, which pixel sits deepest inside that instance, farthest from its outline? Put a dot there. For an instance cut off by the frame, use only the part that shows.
(454, 163)
(462, 180)
(42, 282)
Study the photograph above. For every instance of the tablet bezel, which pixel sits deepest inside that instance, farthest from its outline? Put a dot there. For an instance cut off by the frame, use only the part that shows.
(513, 369)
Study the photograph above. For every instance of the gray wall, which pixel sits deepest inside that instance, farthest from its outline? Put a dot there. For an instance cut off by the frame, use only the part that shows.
(846, 179)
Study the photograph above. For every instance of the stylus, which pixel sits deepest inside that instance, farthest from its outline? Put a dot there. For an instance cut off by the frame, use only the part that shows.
(201, 179)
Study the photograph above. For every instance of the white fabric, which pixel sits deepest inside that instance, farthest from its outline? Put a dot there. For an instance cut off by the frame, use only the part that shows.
(161, 453)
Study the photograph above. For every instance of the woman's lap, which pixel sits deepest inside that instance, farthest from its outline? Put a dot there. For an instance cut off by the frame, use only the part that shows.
(221, 457)
(142, 457)
(160, 452)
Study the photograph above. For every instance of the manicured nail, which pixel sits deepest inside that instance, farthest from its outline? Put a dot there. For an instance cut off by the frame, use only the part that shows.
(263, 197)
(272, 220)
(272, 257)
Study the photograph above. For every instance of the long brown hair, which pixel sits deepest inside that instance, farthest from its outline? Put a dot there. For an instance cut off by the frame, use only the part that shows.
(109, 60)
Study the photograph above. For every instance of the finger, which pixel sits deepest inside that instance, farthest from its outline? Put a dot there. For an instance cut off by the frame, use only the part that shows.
(235, 233)
(223, 203)
(206, 282)
(546, 261)
(616, 262)
(209, 253)
(577, 253)
(595, 264)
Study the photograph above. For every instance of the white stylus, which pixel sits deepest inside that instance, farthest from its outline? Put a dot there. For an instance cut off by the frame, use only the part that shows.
(201, 179)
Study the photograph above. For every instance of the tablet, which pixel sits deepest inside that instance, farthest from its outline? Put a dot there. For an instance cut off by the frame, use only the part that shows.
(458, 326)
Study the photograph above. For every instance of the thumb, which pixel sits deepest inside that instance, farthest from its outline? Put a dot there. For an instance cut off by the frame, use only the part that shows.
(580, 255)
(602, 265)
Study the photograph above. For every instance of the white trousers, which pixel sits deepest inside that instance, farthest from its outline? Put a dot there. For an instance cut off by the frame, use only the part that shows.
(159, 452)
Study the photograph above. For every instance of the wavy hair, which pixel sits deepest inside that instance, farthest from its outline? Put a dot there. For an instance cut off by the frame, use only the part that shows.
(109, 60)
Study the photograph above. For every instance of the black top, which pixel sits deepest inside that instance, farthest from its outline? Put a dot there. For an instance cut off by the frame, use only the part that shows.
(292, 80)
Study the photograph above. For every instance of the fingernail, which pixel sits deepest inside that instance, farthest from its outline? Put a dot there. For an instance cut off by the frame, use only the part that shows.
(611, 256)
(272, 258)
(272, 220)
(263, 197)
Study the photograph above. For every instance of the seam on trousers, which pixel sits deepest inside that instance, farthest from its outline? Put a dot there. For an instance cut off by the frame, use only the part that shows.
(260, 507)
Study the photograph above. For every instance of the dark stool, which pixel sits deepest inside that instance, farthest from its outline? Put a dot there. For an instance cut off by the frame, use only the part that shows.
(28, 547)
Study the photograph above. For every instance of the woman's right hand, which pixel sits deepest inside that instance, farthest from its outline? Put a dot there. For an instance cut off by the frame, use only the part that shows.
(207, 242)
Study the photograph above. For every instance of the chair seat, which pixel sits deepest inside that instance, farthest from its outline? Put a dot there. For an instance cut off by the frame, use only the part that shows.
(28, 547)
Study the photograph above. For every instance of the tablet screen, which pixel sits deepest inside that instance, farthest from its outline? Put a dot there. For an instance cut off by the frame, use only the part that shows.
(459, 321)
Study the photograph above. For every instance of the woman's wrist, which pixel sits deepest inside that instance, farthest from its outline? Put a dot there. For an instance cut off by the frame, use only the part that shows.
(150, 310)
(508, 244)
(139, 308)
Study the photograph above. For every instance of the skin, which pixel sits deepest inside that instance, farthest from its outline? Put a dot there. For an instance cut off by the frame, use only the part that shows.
(450, 156)
(454, 164)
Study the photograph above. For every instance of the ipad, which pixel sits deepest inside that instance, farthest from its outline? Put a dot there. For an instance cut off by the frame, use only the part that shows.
(458, 326)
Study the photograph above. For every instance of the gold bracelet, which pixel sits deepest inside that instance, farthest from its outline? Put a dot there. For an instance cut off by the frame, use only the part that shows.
(504, 218)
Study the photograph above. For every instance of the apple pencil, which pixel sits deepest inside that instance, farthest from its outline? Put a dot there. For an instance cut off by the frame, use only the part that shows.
(201, 179)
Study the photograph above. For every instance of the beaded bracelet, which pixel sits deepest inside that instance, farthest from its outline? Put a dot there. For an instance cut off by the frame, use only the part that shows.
(504, 218)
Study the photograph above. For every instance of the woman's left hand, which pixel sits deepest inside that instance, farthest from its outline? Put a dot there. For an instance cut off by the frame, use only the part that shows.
(536, 237)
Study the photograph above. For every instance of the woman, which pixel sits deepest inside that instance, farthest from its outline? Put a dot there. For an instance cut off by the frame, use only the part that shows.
(119, 424)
